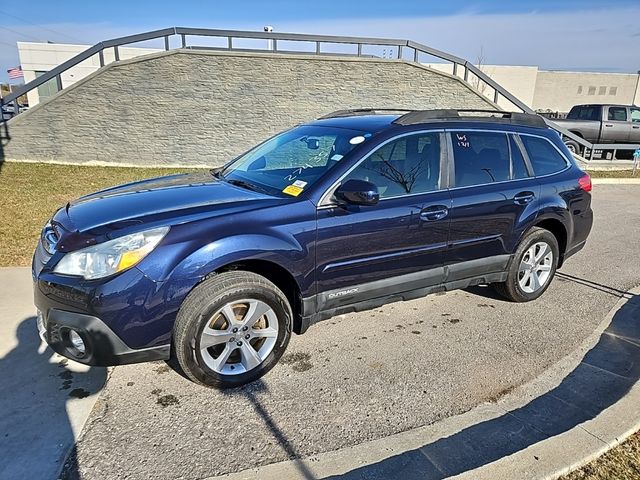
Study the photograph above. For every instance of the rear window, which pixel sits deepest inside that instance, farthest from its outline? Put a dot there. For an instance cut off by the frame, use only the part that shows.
(545, 158)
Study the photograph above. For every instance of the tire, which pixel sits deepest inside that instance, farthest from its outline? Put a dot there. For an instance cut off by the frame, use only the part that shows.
(215, 320)
(573, 146)
(521, 285)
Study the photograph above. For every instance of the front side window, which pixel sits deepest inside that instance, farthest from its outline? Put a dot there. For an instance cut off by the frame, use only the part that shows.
(291, 162)
(635, 115)
(545, 158)
(408, 165)
(480, 157)
(618, 114)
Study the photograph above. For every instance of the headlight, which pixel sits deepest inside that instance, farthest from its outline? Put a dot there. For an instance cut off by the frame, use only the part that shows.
(111, 257)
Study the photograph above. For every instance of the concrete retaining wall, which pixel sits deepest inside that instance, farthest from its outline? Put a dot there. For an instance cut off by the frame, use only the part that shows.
(190, 107)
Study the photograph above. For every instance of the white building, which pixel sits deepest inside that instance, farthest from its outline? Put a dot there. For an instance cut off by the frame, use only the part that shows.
(38, 58)
(557, 91)
(542, 90)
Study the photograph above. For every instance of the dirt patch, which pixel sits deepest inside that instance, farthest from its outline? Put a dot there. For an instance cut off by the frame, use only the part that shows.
(167, 400)
(299, 361)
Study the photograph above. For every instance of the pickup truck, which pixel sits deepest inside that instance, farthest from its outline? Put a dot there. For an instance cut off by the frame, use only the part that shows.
(602, 124)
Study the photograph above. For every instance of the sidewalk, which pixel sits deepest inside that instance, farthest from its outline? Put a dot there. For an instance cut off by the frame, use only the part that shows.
(45, 399)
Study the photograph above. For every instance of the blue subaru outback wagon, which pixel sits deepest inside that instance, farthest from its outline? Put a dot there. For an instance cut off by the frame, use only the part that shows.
(349, 212)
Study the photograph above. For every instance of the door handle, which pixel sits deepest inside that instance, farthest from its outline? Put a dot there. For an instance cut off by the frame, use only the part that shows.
(608, 125)
(523, 198)
(433, 213)
(635, 126)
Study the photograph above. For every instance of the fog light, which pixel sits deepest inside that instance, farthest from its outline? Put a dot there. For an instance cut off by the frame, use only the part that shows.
(77, 342)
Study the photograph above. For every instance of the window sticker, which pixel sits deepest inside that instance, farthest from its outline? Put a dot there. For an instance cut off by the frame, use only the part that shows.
(336, 157)
(293, 190)
(463, 142)
(357, 140)
(299, 183)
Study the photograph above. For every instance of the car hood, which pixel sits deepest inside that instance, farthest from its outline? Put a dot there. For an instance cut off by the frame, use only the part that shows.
(167, 199)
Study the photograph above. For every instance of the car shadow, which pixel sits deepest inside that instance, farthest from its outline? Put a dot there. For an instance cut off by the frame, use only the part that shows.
(486, 291)
(605, 375)
(42, 406)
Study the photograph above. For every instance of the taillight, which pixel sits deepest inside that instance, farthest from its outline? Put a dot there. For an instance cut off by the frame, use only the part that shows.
(585, 182)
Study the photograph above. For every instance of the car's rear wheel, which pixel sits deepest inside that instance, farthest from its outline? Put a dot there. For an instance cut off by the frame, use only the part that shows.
(532, 268)
(573, 146)
(232, 329)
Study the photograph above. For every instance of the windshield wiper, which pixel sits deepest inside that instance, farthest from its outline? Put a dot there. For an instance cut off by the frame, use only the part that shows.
(247, 185)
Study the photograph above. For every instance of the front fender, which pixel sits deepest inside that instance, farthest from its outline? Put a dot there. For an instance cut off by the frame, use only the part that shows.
(237, 248)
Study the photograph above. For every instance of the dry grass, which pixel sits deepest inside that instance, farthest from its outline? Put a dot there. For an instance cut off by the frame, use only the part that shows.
(620, 463)
(612, 173)
(30, 193)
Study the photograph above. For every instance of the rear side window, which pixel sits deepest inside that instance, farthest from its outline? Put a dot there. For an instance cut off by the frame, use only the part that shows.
(480, 157)
(618, 114)
(545, 158)
(517, 162)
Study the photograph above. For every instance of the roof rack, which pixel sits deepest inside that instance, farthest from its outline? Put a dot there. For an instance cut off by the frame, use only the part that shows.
(362, 111)
(514, 118)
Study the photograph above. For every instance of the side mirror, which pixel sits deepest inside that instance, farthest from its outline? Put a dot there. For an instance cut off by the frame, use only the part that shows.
(358, 192)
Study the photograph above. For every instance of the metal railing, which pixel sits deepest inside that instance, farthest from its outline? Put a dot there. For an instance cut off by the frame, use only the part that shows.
(460, 67)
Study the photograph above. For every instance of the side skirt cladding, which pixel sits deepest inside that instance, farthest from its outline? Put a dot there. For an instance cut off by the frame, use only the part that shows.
(376, 294)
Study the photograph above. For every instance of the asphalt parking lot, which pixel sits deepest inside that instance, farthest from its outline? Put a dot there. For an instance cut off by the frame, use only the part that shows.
(363, 376)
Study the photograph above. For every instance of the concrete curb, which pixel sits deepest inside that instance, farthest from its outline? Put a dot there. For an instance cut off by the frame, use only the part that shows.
(615, 181)
(543, 429)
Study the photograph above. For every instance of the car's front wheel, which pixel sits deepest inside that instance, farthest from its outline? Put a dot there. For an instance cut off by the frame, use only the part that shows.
(232, 329)
(532, 268)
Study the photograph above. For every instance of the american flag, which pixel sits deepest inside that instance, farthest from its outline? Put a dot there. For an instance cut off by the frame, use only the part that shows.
(15, 72)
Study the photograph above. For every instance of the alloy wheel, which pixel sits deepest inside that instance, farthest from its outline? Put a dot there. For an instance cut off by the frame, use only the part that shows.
(535, 267)
(239, 337)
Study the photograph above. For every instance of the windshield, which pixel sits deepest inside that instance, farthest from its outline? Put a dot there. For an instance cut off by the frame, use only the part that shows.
(292, 161)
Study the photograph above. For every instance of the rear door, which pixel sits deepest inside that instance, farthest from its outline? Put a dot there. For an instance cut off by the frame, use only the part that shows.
(366, 252)
(616, 126)
(494, 198)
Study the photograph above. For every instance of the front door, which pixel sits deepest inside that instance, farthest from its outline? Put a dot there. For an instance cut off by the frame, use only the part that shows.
(616, 128)
(493, 195)
(397, 245)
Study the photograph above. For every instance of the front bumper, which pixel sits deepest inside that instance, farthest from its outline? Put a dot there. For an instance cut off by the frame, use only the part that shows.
(102, 347)
(113, 318)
